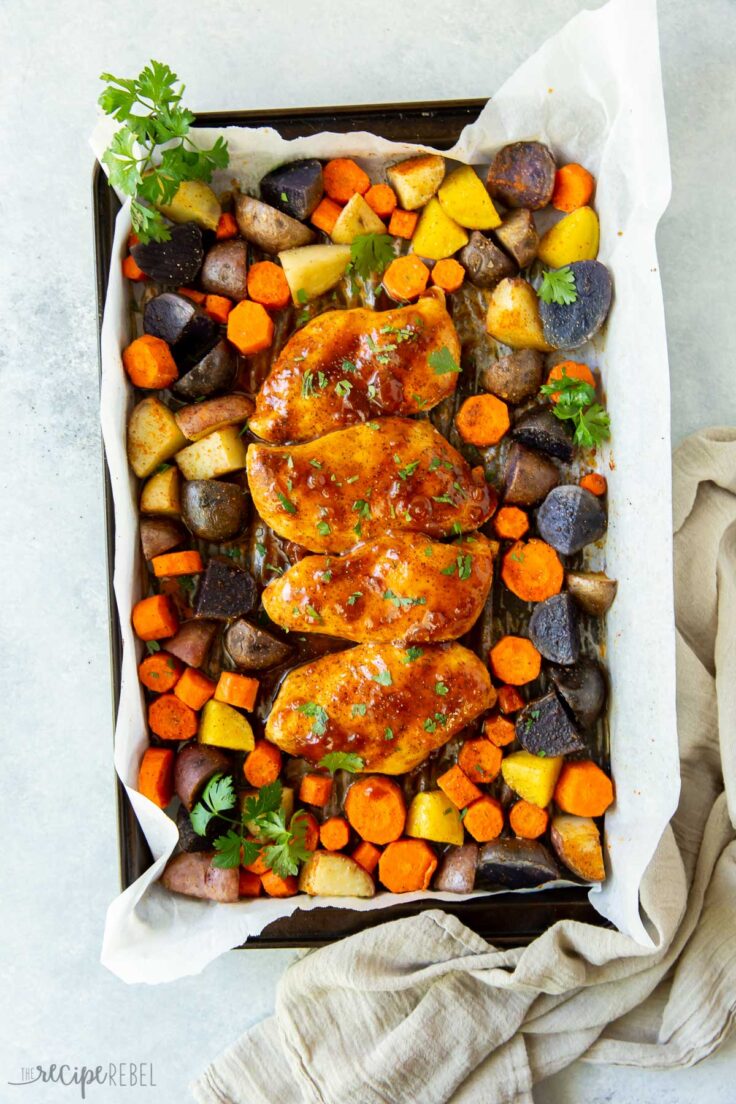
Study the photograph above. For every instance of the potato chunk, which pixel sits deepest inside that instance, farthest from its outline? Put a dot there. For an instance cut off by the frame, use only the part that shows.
(464, 198)
(313, 269)
(328, 874)
(513, 316)
(223, 726)
(162, 493)
(532, 777)
(153, 436)
(216, 454)
(432, 816)
(437, 235)
(577, 841)
(574, 238)
(415, 181)
(194, 201)
(356, 218)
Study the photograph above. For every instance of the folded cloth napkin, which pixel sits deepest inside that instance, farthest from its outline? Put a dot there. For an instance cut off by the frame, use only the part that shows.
(425, 1010)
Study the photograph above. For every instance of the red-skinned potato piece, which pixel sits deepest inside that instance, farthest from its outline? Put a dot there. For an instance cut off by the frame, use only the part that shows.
(192, 642)
(193, 874)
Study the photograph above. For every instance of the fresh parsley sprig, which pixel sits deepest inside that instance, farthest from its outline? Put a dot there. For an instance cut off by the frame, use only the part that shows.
(149, 107)
(576, 403)
(342, 760)
(371, 254)
(558, 286)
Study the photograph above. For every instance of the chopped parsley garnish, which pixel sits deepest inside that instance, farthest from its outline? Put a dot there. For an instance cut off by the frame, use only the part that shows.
(441, 689)
(354, 597)
(343, 388)
(371, 253)
(319, 716)
(286, 503)
(359, 709)
(575, 402)
(558, 286)
(397, 600)
(342, 760)
(383, 677)
(388, 734)
(323, 528)
(442, 361)
(413, 653)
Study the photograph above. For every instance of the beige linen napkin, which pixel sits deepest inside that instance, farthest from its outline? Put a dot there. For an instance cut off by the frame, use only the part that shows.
(425, 1010)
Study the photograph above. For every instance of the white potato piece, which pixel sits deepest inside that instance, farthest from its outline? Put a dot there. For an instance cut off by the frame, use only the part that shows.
(218, 453)
(311, 270)
(356, 218)
(577, 841)
(415, 181)
(328, 874)
(162, 493)
(153, 436)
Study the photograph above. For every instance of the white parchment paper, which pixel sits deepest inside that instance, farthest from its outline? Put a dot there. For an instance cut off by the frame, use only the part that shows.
(593, 92)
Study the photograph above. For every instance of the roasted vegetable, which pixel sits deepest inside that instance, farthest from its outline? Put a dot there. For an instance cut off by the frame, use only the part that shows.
(153, 436)
(225, 269)
(574, 238)
(269, 229)
(188, 838)
(464, 198)
(518, 235)
(327, 874)
(522, 175)
(179, 322)
(161, 493)
(514, 377)
(566, 326)
(159, 535)
(433, 816)
(212, 510)
(193, 201)
(513, 316)
(193, 768)
(198, 420)
(295, 189)
(215, 371)
(544, 728)
(569, 518)
(252, 648)
(401, 588)
(225, 591)
(540, 430)
(437, 235)
(577, 842)
(347, 366)
(532, 777)
(553, 627)
(415, 181)
(582, 688)
(222, 726)
(532, 570)
(176, 261)
(514, 864)
(365, 498)
(313, 269)
(356, 218)
(219, 453)
(592, 590)
(528, 477)
(456, 873)
(379, 702)
(194, 875)
(192, 642)
(583, 789)
(484, 263)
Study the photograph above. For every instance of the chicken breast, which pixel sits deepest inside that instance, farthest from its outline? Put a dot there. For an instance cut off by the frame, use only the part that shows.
(357, 483)
(390, 706)
(401, 588)
(349, 366)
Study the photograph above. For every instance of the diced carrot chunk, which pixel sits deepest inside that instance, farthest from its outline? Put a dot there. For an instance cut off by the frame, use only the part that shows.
(194, 688)
(403, 223)
(237, 690)
(343, 178)
(156, 776)
(218, 308)
(249, 885)
(367, 855)
(325, 214)
(595, 483)
(275, 886)
(249, 327)
(131, 271)
(381, 198)
(484, 819)
(149, 363)
(227, 227)
(458, 787)
(177, 563)
(155, 618)
(315, 789)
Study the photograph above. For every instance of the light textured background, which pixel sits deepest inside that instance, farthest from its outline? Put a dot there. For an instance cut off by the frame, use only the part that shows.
(58, 815)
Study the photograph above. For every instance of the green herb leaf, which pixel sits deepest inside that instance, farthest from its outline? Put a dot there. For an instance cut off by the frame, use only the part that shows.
(342, 760)
(343, 388)
(558, 286)
(399, 601)
(362, 508)
(442, 361)
(441, 689)
(354, 597)
(227, 849)
(314, 615)
(413, 653)
(371, 254)
(152, 646)
(319, 716)
(388, 734)
(323, 528)
(286, 503)
(383, 677)
(576, 403)
(359, 710)
(217, 797)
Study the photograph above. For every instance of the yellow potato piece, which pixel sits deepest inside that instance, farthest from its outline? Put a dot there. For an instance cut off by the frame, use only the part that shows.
(573, 238)
(437, 235)
(356, 218)
(153, 436)
(222, 726)
(432, 816)
(464, 198)
(216, 454)
(532, 777)
(162, 493)
(326, 874)
(513, 315)
(194, 201)
(311, 270)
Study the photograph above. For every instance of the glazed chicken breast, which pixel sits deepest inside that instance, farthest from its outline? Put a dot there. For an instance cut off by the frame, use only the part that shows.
(401, 588)
(349, 366)
(391, 706)
(358, 483)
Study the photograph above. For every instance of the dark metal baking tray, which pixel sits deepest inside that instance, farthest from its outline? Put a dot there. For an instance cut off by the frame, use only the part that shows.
(508, 919)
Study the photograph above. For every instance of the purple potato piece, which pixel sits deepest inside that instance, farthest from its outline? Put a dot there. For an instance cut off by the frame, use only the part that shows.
(514, 864)
(554, 631)
(528, 476)
(522, 175)
(518, 235)
(193, 874)
(569, 518)
(252, 648)
(484, 263)
(225, 269)
(159, 535)
(225, 591)
(582, 688)
(566, 326)
(214, 372)
(192, 642)
(176, 261)
(544, 728)
(295, 189)
(194, 766)
(540, 430)
(456, 872)
(188, 838)
(212, 510)
(514, 377)
(179, 322)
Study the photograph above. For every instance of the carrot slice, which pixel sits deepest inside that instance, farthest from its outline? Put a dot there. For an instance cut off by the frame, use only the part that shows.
(448, 274)
(218, 308)
(406, 277)
(237, 690)
(403, 223)
(315, 789)
(484, 819)
(149, 363)
(194, 688)
(511, 523)
(483, 420)
(249, 328)
(334, 834)
(177, 563)
(249, 885)
(156, 776)
(515, 660)
(263, 764)
(528, 821)
(367, 855)
(376, 809)
(343, 178)
(172, 719)
(227, 227)
(573, 187)
(583, 789)
(532, 571)
(480, 760)
(407, 865)
(155, 618)
(595, 483)
(381, 198)
(131, 271)
(499, 731)
(458, 787)
(276, 886)
(325, 214)
(509, 699)
(160, 672)
(267, 285)
(573, 369)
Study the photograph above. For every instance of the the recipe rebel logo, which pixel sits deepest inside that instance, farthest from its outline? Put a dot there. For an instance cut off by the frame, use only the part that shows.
(117, 1075)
